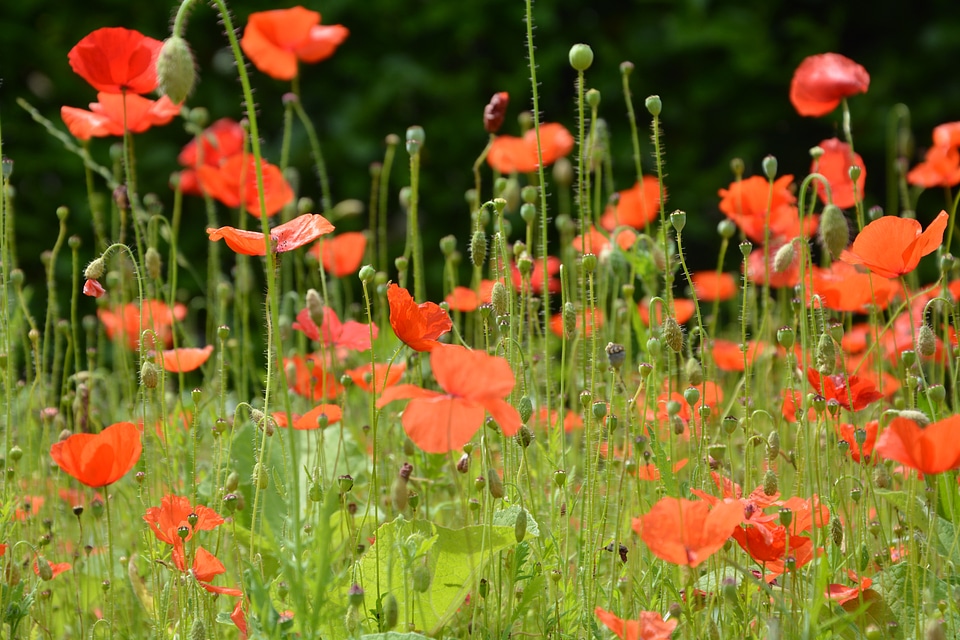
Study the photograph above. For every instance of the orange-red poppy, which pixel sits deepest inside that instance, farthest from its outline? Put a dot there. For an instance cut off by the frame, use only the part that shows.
(234, 181)
(636, 207)
(891, 247)
(276, 40)
(239, 618)
(312, 382)
(940, 168)
(509, 154)
(728, 356)
(108, 116)
(841, 593)
(174, 515)
(117, 60)
(687, 532)
(822, 81)
(548, 419)
(752, 204)
(556, 323)
(463, 299)
(418, 326)
(929, 450)
(844, 288)
(474, 382)
(765, 541)
(597, 243)
(537, 278)
(351, 334)
(341, 254)
(852, 392)
(288, 236)
(650, 626)
(683, 308)
(184, 359)
(205, 568)
(221, 140)
(377, 376)
(710, 285)
(847, 433)
(310, 420)
(125, 322)
(835, 165)
(99, 459)
(93, 288)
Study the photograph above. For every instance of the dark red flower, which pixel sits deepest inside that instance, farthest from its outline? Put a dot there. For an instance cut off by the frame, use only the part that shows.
(417, 326)
(822, 81)
(495, 111)
(852, 392)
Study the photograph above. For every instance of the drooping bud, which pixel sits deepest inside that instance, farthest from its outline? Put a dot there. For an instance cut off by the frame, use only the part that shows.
(694, 371)
(826, 354)
(495, 111)
(783, 258)
(672, 334)
(525, 409)
(520, 526)
(391, 612)
(478, 248)
(500, 299)
(176, 69)
(148, 375)
(494, 483)
(926, 341)
(153, 262)
(95, 269)
(834, 233)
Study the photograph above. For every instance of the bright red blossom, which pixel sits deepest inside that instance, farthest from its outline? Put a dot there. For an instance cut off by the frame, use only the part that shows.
(417, 326)
(108, 115)
(117, 60)
(687, 532)
(509, 154)
(636, 207)
(221, 140)
(822, 81)
(234, 182)
(93, 288)
(710, 286)
(205, 568)
(650, 626)
(276, 40)
(285, 237)
(342, 254)
(351, 334)
(835, 165)
(892, 247)
(929, 450)
(852, 392)
(745, 203)
(99, 459)
(125, 323)
(474, 383)
(184, 359)
(173, 513)
(378, 376)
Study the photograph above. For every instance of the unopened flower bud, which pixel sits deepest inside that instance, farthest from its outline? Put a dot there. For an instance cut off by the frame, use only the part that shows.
(926, 341)
(672, 334)
(495, 111)
(525, 409)
(834, 232)
(581, 57)
(726, 228)
(415, 139)
(769, 165)
(694, 372)
(826, 355)
(478, 248)
(783, 258)
(653, 105)
(95, 269)
(153, 262)
(770, 482)
(500, 299)
(176, 69)
(494, 483)
(149, 376)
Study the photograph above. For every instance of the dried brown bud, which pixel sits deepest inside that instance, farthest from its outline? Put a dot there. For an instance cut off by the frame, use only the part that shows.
(495, 111)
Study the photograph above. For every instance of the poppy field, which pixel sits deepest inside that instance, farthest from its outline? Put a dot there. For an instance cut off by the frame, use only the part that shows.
(556, 426)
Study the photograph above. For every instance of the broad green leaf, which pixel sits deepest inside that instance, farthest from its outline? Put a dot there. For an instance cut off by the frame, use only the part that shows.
(428, 568)
(944, 535)
(908, 589)
(393, 635)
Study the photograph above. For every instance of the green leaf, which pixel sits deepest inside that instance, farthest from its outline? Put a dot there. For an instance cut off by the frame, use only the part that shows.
(393, 635)
(944, 535)
(907, 589)
(508, 518)
(446, 563)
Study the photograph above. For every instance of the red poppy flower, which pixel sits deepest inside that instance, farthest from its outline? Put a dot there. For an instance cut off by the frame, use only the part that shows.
(234, 182)
(687, 532)
(930, 450)
(351, 334)
(309, 420)
(891, 247)
(239, 618)
(106, 117)
(537, 278)
(205, 568)
(940, 168)
(125, 323)
(99, 459)
(117, 60)
(174, 513)
(93, 288)
(841, 594)
(341, 254)
(650, 626)
(746, 203)
(221, 140)
(597, 243)
(847, 433)
(474, 383)
(56, 568)
(417, 326)
(556, 323)
(184, 359)
(31, 506)
(285, 237)
(765, 541)
(683, 308)
(275, 40)
(728, 356)
(510, 154)
(710, 285)
(463, 299)
(835, 165)
(369, 376)
(822, 81)
(843, 288)
(852, 392)
(311, 382)
(636, 207)
(547, 420)
(761, 274)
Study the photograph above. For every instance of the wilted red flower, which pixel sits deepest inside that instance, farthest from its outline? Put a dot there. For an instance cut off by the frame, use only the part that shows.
(746, 202)
(710, 285)
(636, 207)
(125, 323)
(463, 299)
(495, 111)
(474, 382)
(234, 182)
(93, 288)
(378, 376)
(841, 594)
(99, 459)
(333, 333)
(341, 254)
(847, 433)
(650, 626)
(221, 140)
(108, 116)
(852, 392)
(285, 237)
(417, 326)
(205, 568)
(275, 40)
(930, 450)
(892, 247)
(940, 168)
(687, 532)
(835, 165)
(822, 81)
(173, 513)
(117, 60)
(510, 154)
(184, 359)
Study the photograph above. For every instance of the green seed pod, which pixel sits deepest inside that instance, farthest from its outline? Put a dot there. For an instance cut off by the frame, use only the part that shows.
(520, 526)
(773, 445)
(560, 478)
(936, 394)
(391, 612)
(726, 228)
(528, 213)
(836, 531)
(769, 164)
(421, 578)
(672, 334)
(593, 99)
(494, 483)
(616, 354)
(563, 172)
(770, 482)
(478, 248)
(834, 233)
(581, 57)
(529, 194)
(679, 220)
(176, 69)
(589, 263)
(691, 395)
(654, 105)
(500, 299)
(399, 494)
(926, 341)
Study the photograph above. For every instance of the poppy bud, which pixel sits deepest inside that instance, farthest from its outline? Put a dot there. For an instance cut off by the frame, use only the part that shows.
(463, 464)
(494, 483)
(926, 341)
(563, 172)
(917, 416)
(679, 220)
(260, 476)
(581, 57)
(569, 319)
(783, 258)
(694, 372)
(672, 334)
(881, 477)
(528, 213)
(834, 232)
(495, 111)
(653, 105)
(44, 570)
(525, 409)
(94, 270)
(520, 526)
(148, 375)
(826, 355)
(197, 630)
(120, 197)
(770, 482)
(367, 273)
(421, 578)
(176, 69)
(726, 228)
(478, 248)
(769, 165)
(391, 612)
(153, 263)
(399, 493)
(816, 152)
(233, 481)
(415, 139)
(936, 394)
(836, 531)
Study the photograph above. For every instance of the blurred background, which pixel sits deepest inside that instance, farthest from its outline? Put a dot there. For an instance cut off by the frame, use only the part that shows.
(722, 70)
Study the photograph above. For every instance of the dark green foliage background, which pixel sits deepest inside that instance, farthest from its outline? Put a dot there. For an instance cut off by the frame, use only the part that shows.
(722, 69)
